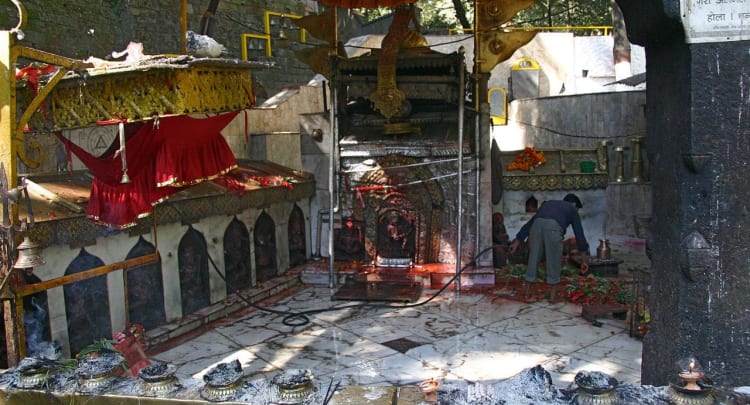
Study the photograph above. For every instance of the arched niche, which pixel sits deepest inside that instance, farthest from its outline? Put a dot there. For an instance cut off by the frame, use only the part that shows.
(237, 267)
(145, 289)
(422, 205)
(86, 304)
(396, 236)
(192, 261)
(264, 237)
(498, 98)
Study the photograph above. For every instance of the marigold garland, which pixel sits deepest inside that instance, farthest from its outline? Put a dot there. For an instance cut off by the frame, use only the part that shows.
(527, 158)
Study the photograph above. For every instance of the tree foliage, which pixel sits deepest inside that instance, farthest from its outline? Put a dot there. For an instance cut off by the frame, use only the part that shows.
(435, 15)
(442, 15)
(556, 13)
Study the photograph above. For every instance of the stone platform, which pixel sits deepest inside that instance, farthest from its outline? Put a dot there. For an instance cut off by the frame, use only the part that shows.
(430, 276)
(601, 267)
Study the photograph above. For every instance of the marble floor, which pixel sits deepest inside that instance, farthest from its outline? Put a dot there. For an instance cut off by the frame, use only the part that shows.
(476, 338)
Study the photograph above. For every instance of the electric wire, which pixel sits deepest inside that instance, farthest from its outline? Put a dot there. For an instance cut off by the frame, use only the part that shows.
(568, 135)
(411, 183)
(404, 166)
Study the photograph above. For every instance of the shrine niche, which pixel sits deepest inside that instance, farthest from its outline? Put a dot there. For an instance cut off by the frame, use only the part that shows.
(403, 215)
(145, 289)
(297, 241)
(400, 163)
(264, 235)
(349, 240)
(237, 256)
(192, 260)
(396, 238)
(86, 304)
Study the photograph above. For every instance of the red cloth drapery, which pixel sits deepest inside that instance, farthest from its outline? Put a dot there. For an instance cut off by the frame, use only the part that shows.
(365, 3)
(161, 160)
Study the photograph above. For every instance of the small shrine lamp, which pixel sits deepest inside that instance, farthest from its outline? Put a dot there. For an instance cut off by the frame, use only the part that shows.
(694, 387)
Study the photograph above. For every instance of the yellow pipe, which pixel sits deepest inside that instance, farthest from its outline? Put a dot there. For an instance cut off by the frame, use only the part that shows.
(267, 27)
(9, 162)
(8, 115)
(335, 43)
(477, 59)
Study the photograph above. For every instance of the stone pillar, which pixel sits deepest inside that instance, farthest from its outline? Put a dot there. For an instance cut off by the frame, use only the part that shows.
(484, 191)
(698, 123)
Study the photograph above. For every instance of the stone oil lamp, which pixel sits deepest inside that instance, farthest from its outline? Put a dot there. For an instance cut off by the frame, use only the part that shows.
(691, 376)
(33, 373)
(694, 388)
(158, 379)
(596, 388)
(223, 382)
(430, 388)
(96, 373)
(295, 386)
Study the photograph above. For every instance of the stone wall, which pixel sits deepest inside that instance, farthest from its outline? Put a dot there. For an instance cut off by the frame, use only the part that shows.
(574, 121)
(581, 121)
(210, 218)
(79, 29)
(112, 249)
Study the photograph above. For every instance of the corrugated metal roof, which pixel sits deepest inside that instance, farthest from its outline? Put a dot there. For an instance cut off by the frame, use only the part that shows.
(66, 195)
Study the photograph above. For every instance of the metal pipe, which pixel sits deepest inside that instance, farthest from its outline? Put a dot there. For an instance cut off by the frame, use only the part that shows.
(477, 175)
(22, 291)
(325, 97)
(459, 210)
(477, 115)
(29, 289)
(53, 197)
(332, 175)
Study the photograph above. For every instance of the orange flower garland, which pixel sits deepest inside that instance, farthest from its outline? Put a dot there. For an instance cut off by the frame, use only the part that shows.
(527, 158)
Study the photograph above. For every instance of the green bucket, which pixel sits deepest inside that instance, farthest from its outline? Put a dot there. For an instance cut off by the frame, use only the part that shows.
(587, 166)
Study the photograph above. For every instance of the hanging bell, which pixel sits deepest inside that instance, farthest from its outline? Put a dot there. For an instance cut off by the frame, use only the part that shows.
(125, 178)
(28, 255)
(121, 131)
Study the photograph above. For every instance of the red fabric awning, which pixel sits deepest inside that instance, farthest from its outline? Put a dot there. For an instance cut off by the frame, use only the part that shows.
(161, 160)
(365, 3)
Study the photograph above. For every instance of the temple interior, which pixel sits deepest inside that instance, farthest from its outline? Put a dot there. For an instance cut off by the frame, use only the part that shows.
(170, 234)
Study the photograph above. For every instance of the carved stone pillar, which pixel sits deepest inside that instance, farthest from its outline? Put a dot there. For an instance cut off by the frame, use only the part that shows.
(698, 130)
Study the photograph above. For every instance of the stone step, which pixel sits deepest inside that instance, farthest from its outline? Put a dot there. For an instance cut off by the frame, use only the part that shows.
(429, 276)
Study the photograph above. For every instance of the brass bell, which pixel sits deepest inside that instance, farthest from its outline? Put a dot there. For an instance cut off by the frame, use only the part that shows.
(125, 178)
(28, 255)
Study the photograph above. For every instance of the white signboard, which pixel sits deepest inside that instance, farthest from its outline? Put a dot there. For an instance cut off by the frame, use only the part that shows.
(715, 20)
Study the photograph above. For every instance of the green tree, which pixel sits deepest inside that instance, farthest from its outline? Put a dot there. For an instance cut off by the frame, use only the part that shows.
(436, 16)
(556, 13)
(441, 15)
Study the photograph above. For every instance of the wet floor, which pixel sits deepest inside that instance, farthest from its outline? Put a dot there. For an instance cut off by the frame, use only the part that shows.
(476, 338)
(473, 338)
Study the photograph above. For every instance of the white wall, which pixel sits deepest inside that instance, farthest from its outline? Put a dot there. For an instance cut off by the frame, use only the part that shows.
(593, 214)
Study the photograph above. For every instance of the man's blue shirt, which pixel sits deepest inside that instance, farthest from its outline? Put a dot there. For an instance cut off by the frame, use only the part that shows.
(565, 214)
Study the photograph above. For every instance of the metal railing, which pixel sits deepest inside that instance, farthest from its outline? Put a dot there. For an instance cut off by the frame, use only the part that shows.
(265, 38)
